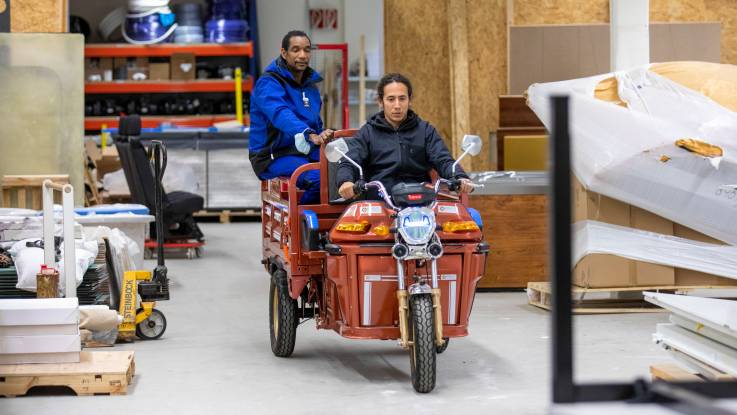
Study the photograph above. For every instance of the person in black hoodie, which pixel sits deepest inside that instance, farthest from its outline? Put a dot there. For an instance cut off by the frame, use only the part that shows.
(396, 145)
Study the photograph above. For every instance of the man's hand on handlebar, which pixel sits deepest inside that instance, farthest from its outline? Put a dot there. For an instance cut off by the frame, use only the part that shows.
(466, 186)
(322, 138)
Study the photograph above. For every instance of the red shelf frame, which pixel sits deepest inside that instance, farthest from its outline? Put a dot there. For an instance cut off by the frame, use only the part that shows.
(143, 87)
(153, 121)
(122, 50)
(343, 48)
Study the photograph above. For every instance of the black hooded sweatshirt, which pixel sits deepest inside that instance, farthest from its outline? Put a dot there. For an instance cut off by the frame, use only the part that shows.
(392, 156)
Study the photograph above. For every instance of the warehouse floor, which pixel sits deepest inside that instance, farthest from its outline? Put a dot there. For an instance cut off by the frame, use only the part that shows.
(215, 355)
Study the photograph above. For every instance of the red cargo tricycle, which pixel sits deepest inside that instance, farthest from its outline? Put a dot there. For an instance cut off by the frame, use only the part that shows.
(402, 268)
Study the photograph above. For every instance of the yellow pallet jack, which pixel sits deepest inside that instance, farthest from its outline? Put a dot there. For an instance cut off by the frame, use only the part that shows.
(145, 321)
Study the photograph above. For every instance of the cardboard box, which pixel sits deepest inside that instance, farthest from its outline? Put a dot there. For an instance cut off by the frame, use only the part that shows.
(109, 162)
(588, 205)
(39, 311)
(611, 271)
(183, 67)
(140, 62)
(106, 64)
(120, 63)
(689, 277)
(688, 233)
(648, 221)
(593, 206)
(158, 71)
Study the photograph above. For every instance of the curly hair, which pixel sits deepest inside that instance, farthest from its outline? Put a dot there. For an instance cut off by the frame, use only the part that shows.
(393, 77)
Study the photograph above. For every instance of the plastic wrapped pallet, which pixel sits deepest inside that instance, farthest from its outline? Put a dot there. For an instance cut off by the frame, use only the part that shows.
(629, 153)
(608, 255)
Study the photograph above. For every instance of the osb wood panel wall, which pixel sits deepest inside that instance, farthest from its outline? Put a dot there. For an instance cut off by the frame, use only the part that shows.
(416, 44)
(39, 16)
(416, 39)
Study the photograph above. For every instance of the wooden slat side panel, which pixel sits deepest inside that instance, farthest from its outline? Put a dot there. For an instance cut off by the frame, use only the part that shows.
(514, 112)
(516, 227)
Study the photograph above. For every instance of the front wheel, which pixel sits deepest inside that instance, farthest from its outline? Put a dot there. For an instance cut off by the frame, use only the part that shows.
(152, 327)
(422, 350)
(282, 317)
(441, 349)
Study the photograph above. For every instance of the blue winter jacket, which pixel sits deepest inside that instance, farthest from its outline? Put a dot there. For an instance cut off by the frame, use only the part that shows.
(281, 108)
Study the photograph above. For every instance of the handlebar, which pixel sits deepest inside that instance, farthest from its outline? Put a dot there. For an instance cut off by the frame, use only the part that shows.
(453, 184)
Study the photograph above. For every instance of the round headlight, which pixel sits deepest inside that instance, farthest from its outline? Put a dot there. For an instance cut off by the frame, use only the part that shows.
(416, 225)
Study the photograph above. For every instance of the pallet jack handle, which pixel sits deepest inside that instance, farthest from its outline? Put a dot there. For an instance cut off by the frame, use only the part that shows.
(158, 158)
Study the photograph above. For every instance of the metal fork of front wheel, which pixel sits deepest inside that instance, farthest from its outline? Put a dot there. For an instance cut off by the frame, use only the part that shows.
(436, 304)
(403, 306)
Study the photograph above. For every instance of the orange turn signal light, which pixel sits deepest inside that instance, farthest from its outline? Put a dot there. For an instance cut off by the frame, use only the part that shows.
(460, 226)
(353, 227)
(381, 230)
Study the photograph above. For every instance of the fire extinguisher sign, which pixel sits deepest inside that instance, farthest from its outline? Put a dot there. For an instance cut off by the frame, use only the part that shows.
(323, 18)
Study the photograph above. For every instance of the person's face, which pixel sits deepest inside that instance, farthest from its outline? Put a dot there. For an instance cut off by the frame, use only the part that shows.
(298, 54)
(395, 103)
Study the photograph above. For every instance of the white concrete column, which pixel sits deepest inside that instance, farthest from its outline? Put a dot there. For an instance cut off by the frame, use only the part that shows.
(629, 33)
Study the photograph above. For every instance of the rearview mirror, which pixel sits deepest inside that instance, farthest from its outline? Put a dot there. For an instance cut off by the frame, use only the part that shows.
(335, 150)
(471, 144)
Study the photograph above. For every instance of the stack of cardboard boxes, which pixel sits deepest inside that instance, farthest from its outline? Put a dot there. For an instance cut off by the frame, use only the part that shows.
(39, 330)
(180, 67)
(605, 270)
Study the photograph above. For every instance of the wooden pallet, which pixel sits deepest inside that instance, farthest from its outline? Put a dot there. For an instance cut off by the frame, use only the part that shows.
(98, 372)
(225, 216)
(672, 372)
(589, 301)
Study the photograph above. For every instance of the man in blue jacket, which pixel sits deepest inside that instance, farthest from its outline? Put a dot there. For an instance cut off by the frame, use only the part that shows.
(286, 129)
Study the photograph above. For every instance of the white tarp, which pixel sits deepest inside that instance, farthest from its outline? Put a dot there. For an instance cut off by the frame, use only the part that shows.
(592, 237)
(618, 151)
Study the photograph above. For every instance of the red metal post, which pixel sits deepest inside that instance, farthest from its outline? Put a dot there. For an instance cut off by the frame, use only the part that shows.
(343, 47)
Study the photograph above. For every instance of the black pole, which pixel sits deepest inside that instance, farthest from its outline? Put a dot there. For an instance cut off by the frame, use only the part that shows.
(560, 248)
(4, 16)
(159, 201)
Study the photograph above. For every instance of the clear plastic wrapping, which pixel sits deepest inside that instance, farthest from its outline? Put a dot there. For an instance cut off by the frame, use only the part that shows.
(629, 152)
(591, 237)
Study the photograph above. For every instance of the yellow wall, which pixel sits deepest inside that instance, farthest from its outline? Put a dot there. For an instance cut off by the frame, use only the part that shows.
(416, 43)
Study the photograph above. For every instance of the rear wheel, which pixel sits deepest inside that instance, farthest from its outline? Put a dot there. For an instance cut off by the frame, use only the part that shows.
(422, 351)
(282, 316)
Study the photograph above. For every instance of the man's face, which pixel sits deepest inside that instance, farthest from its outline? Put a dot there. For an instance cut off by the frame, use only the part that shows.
(395, 103)
(298, 54)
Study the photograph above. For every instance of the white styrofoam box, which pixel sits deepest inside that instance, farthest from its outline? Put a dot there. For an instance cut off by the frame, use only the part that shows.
(40, 344)
(39, 311)
(39, 330)
(24, 358)
(132, 225)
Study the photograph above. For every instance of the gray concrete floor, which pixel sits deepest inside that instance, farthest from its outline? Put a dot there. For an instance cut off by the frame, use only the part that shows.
(215, 355)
